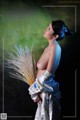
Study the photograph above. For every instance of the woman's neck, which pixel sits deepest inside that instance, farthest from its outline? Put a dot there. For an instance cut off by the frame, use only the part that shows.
(51, 41)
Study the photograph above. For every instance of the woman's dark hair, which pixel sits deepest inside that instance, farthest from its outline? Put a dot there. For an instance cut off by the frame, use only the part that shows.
(60, 29)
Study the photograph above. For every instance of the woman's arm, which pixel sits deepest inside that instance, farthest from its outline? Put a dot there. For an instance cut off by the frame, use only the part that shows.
(51, 58)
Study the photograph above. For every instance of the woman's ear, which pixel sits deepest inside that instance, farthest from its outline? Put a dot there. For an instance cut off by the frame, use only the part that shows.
(56, 36)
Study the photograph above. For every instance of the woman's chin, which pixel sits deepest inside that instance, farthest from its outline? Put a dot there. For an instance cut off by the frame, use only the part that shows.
(44, 36)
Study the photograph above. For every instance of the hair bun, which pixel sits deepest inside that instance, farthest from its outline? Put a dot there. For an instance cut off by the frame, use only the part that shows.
(61, 29)
(67, 31)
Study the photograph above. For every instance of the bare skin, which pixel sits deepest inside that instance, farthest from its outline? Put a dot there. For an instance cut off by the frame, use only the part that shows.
(43, 61)
(46, 60)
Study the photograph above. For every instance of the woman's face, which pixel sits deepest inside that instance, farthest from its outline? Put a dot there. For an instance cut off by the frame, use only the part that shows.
(48, 33)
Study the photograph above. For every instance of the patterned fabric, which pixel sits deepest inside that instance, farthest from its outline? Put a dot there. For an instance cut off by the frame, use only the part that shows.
(49, 109)
(54, 84)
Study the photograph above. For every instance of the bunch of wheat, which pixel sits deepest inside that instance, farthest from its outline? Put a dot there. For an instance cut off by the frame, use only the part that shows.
(22, 63)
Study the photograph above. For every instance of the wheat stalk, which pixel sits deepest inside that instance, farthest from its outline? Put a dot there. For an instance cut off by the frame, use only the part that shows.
(22, 63)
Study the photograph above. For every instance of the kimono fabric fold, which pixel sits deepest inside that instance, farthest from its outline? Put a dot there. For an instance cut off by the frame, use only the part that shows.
(49, 108)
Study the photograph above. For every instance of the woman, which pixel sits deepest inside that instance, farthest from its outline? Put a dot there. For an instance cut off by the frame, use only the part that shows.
(45, 91)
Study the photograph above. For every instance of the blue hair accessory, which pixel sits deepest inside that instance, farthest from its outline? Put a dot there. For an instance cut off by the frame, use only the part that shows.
(63, 31)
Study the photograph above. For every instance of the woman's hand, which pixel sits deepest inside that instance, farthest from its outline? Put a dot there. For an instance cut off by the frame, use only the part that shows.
(36, 100)
(39, 97)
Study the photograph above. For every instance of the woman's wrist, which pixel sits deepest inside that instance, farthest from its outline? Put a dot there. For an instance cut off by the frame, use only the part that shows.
(46, 73)
(44, 76)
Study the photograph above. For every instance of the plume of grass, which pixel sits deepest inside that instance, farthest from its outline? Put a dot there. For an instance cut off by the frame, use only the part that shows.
(22, 63)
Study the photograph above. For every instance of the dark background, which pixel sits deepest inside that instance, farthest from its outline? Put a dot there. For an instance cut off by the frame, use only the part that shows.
(17, 101)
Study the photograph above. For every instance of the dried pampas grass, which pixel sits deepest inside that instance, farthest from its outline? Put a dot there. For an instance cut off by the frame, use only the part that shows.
(23, 65)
